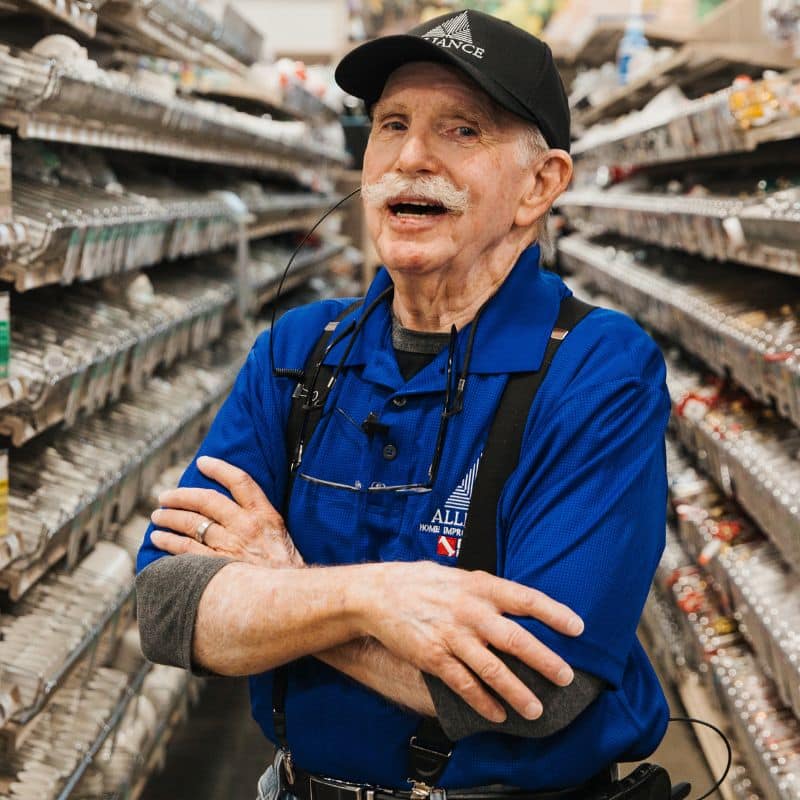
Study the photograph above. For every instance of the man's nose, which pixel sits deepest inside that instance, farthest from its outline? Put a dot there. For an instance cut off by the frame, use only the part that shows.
(416, 154)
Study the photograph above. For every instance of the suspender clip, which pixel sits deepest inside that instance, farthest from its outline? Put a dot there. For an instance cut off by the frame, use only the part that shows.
(284, 766)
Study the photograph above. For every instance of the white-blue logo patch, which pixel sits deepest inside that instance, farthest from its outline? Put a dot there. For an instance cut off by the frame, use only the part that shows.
(448, 521)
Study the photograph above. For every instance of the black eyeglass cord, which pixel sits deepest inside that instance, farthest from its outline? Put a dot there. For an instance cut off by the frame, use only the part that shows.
(458, 403)
(310, 403)
(718, 783)
(356, 329)
(279, 372)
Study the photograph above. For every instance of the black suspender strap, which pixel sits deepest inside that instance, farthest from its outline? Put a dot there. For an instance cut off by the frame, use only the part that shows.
(300, 426)
(503, 446)
(429, 749)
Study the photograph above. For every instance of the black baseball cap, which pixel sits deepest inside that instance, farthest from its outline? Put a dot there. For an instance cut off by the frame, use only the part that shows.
(513, 67)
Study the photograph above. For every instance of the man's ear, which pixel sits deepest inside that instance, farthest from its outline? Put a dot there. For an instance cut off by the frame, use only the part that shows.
(550, 176)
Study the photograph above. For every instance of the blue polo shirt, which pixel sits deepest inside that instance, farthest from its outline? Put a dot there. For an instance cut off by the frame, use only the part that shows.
(581, 518)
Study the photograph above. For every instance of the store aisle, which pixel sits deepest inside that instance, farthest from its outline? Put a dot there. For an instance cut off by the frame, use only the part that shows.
(218, 754)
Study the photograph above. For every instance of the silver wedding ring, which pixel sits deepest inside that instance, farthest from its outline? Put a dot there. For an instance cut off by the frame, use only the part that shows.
(200, 530)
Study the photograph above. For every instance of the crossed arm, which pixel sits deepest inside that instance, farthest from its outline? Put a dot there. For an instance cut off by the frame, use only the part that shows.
(381, 624)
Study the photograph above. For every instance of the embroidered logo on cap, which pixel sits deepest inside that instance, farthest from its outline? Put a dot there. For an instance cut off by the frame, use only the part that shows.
(455, 34)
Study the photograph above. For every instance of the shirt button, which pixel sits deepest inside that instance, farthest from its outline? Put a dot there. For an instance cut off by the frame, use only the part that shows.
(399, 402)
(390, 452)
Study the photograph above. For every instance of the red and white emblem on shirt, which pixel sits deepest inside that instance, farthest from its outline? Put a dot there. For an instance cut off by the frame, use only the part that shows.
(448, 546)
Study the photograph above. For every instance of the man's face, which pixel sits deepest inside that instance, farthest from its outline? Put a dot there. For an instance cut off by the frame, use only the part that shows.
(433, 122)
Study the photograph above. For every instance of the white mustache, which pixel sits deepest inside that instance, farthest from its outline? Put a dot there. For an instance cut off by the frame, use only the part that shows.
(432, 188)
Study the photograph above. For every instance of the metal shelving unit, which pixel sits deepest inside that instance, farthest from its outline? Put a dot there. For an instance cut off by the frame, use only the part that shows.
(697, 129)
(721, 617)
(116, 373)
(83, 104)
(78, 14)
(759, 232)
(742, 328)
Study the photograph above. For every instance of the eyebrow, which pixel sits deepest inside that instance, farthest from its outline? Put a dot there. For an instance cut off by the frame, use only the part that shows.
(480, 112)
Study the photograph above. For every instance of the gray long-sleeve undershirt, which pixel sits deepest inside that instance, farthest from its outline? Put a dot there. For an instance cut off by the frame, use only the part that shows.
(168, 595)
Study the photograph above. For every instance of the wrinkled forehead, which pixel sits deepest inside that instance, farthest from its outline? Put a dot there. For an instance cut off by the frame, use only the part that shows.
(449, 83)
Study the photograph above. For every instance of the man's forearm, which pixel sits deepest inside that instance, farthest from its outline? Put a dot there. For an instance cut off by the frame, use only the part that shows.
(371, 664)
(252, 618)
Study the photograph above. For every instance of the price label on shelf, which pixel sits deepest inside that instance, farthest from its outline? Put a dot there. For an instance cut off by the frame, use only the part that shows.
(3, 493)
(5, 179)
(5, 335)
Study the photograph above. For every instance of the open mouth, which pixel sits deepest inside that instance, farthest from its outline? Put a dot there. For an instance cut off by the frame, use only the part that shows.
(416, 208)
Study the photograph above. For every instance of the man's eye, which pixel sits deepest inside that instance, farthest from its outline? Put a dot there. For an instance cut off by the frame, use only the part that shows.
(466, 131)
(393, 125)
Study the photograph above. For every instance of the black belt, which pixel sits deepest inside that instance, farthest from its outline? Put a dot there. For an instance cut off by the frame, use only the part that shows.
(314, 787)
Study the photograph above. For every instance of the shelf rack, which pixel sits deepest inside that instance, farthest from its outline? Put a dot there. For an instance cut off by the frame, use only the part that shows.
(745, 330)
(268, 265)
(682, 650)
(744, 453)
(179, 29)
(699, 129)
(760, 232)
(76, 360)
(599, 44)
(281, 213)
(79, 233)
(120, 428)
(741, 697)
(747, 451)
(129, 694)
(22, 722)
(753, 581)
(697, 67)
(661, 629)
(78, 14)
(295, 102)
(80, 103)
(104, 464)
(715, 614)
(177, 710)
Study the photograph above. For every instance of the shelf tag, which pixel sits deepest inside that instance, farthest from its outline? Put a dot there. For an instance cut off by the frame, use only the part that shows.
(3, 493)
(5, 335)
(5, 179)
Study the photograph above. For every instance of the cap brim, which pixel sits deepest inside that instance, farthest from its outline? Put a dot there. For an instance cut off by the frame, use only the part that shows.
(363, 72)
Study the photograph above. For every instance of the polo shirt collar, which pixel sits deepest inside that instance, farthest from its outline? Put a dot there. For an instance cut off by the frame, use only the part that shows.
(513, 330)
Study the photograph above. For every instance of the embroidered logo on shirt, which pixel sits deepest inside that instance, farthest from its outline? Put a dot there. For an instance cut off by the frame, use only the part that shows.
(455, 34)
(448, 521)
(448, 546)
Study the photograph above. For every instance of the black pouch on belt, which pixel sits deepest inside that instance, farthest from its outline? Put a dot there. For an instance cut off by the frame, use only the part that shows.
(646, 782)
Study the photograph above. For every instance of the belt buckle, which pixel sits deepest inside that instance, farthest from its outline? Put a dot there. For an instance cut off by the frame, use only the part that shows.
(330, 789)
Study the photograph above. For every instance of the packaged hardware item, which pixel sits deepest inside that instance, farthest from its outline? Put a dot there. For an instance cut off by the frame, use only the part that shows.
(758, 103)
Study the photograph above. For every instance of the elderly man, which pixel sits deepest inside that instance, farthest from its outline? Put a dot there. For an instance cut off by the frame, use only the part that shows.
(375, 431)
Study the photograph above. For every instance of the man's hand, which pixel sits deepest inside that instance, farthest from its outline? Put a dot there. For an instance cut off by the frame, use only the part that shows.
(444, 621)
(247, 528)
(431, 617)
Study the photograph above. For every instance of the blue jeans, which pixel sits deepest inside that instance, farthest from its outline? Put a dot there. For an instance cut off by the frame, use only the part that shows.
(269, 787)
